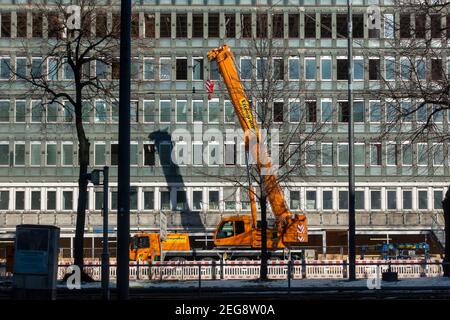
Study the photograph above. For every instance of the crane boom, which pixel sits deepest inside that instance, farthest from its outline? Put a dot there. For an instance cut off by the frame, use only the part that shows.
(285, 219)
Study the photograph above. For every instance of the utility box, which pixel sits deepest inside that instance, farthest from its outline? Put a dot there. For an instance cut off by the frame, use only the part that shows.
(36, 262)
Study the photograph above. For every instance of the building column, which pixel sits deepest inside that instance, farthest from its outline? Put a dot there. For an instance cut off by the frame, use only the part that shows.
(324, 242)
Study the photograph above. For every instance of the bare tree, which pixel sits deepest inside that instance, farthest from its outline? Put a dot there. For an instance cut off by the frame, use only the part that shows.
(415, 80)
(63, 77)
(281, 109)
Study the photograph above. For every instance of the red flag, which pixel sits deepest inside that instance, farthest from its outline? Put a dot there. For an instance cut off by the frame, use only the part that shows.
(209, 88)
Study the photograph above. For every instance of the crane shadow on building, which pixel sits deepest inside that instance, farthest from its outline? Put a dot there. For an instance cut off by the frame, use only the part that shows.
(188, 219)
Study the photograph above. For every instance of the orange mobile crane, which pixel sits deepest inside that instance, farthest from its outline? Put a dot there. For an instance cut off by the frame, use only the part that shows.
(238, 231)
(241, 230)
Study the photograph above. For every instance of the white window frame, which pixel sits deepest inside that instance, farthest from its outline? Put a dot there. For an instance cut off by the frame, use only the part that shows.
(176, 110)
(161, 59)
(298, 65)
(322, 144)
(144, 60)
(160, 113)
(363, 69)
(304, 69)
(47, 143)
(96, 143)
(322, 58)
(143, 109)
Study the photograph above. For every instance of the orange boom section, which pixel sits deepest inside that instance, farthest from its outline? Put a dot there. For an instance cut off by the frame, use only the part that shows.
(292, 228)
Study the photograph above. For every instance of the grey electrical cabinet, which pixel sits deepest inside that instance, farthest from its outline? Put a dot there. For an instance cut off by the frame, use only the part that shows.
(36, 262)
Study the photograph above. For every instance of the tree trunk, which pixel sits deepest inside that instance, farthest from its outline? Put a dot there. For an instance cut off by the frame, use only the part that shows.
(264, 257)
(81, 205)
(446, 207)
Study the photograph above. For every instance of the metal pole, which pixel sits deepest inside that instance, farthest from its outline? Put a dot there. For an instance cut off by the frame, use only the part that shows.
(123, 198)
(351, 173)
(105, 253)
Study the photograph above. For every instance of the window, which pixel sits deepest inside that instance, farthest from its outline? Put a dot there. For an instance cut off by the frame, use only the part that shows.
(98, 200)
(407, 199)
(4, 154)
(21, 24)
(294, 68)
(100, 154)
(20, 200)
(164, 111)
(311, 201)
(165, 152)
(343, 154)
(35, 153)
(20, 111)
(405, 26)
(405, 68)
(277, 26)
(51, 200)
(343, 200)
(310, 25)
(294, 157)
(246, 68)
(149, 111)
(294, 111)
(214, 70)
(422, 198)
(341, 26)
(344, 111)
(181, 203)
(420, 30)
(325, 68)
(437, 195)
(327, 154)
(391, 200)
(374, 69)
(359, 200)
(52, 112)
(327, 199)
(19, 153)
(36, 67)
(278, 107)
(134, 153)
(375, 200)
(391, 154)
(359, 152)
(67, 200)
(21, 68)
(6, 25)
(149, 200)
(311, 111)
(37, 25)
(421, 112)
(420, 69)
(165, 25)
(4, 110)
(5, 68)
(213, 153)
(438, 154)
(358, 68)
(197, 153)
(294, 197)
(436, 69)
(325, 26)
(326, 111)
(246, 25)
(197, 68)
(35, 200)
(435, 26)
(51, 154)
(149, 154)
(310, 68)
(113, 200)
(36, 111)
(4, 200)
(149, 69)
(389, 63)
(230, 154)
(406, 154)
(261, 25)
(149, 21)
(374, 111)
(213, 25)
(229, 112)
(197, 200)
(294, 24)
(164, 69)
(261, 68)
(181, 111)
(100, 111)
(115, 111)
(389, 26)
(342, 69)
(100, 24)
(229, 198)
(230, 26)
(213, 111)
(181, 25)
(197, 110)
(181, 68)
(357, 26)
(278, 68)
(375, 154)
(114, 154)
(165, 200)
(213, 200)
(422, 154)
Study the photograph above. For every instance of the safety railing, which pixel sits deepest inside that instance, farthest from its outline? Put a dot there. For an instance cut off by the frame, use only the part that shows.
(277, 270)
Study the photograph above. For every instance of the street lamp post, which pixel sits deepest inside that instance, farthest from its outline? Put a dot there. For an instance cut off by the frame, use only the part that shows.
(351, 173)
(94, 177)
